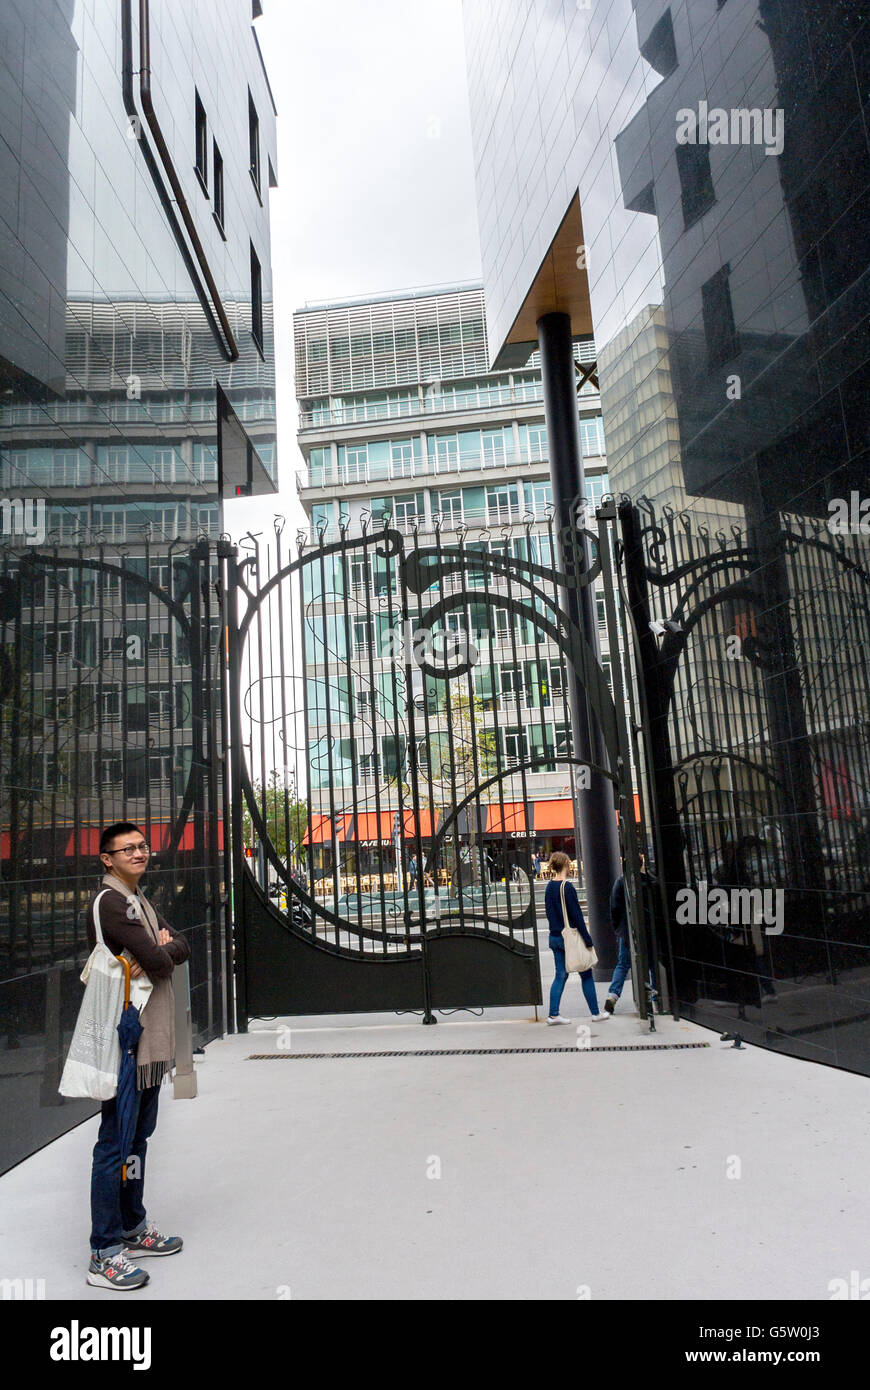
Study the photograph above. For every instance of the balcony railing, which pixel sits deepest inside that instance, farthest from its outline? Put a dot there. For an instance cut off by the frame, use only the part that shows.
(362, 474)
(437, 403)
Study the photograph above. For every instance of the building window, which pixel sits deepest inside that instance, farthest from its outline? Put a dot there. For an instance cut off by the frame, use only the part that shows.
(516, 748)
(719, 327)
(218, 167)
(447, 453)
(254, 138)
(539, 498)
(406, 513)
(357, 463)
(365, 704)
(501, 503)
(362, 638)
(660, 49)
(360, 575)
(168, 466)
(201, 145)
(256, 299)
(592, 436)
(493, 448)
(538, 450)
(450, 506)
(693, 163)
(403, 458)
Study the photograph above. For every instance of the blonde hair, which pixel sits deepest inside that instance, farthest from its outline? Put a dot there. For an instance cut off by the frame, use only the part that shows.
(558, 862)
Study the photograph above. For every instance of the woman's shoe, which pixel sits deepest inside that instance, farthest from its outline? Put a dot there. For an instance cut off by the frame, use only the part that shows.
(599, 1018)
(558, 1019)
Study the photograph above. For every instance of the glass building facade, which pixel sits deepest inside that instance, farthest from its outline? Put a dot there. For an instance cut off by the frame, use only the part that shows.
(696, 176)
(136, 392)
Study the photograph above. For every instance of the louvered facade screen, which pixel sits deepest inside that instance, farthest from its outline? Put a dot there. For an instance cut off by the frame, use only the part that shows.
(392, 342)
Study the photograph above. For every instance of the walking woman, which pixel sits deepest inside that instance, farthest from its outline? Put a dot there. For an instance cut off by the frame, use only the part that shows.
(559, 865)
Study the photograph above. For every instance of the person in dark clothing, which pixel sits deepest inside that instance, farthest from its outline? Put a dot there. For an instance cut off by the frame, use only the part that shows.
(559, 865)
(131, 925)
(619, 923)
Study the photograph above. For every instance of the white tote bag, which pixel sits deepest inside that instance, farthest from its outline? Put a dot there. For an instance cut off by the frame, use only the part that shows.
(94, 1057)
(578, 956)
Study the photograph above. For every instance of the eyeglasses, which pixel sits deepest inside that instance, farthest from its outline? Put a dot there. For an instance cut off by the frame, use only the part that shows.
(130, 850)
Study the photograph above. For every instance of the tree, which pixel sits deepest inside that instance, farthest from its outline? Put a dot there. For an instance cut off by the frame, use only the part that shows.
(284, 810)
(459, 754)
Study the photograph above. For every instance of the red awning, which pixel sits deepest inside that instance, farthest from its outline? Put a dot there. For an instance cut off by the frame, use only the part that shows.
(86, 841)
(554, 817)
(428, 824)
(507, 819)
(320, 830)
(372, 826)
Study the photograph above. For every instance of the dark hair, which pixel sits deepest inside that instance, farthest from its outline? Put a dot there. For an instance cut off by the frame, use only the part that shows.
(558, 862)
(111, 832)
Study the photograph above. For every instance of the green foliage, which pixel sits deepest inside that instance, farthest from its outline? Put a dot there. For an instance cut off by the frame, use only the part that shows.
(284, 811)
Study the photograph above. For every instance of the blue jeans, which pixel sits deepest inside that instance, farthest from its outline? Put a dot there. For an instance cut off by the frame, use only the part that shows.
(623, 966)
(116, 1207)
(558, 948)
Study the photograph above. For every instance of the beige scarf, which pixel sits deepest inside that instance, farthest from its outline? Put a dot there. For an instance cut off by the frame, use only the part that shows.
(156, 1052)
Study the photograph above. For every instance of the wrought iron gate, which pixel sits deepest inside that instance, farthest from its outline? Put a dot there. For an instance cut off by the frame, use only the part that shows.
(419, 689)
(752, 652)
(109, 672)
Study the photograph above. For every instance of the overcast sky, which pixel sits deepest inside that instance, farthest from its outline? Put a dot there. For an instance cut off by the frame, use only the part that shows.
(376, 177)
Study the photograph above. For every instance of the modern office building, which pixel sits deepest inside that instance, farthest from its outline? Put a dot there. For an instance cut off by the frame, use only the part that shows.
(402, 424)
(137, 391)
(688, 182)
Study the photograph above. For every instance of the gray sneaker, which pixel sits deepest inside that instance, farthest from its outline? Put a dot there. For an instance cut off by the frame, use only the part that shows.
(151, 1242)
(115, 1272)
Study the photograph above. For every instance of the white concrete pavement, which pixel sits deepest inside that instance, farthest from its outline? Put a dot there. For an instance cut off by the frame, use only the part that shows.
(506, 1176)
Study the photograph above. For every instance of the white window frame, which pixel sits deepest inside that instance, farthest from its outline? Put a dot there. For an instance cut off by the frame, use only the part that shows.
(403, 518)
(446, 454)
(402, 458)
(450, 507)
(356, 464)
(492, 448)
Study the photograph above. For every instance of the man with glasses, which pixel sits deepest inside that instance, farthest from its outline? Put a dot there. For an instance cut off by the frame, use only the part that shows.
(132, 926)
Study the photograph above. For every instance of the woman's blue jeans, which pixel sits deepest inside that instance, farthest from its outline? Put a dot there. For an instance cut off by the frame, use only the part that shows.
(116, 1207)
(558, 948)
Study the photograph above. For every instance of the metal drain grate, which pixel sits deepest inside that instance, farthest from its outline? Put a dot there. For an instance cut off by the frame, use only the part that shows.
(465, 1052)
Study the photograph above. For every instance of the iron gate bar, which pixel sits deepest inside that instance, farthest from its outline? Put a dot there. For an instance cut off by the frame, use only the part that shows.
(428, 1016)
(627, 827)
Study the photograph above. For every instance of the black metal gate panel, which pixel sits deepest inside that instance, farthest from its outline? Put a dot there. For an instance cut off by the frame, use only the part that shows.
(109, 710)
(390, 702)
(754, 663)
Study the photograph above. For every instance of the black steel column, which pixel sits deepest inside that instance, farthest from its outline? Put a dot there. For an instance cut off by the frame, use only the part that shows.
(599, 841)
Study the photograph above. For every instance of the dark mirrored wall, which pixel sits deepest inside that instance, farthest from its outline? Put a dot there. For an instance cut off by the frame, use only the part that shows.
(736, 414)
(136, 392)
